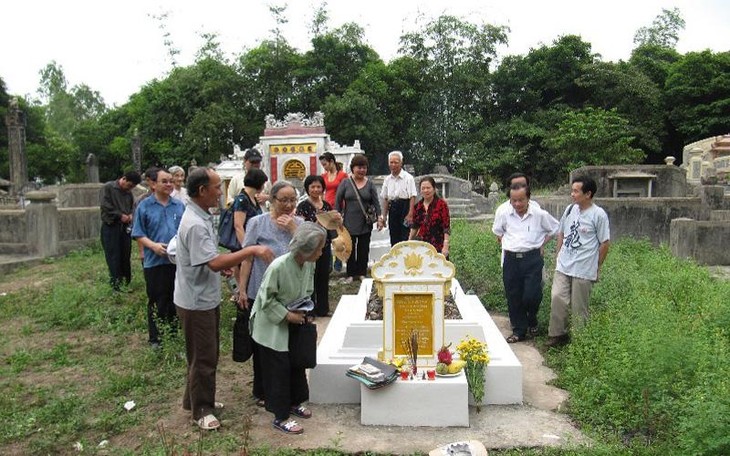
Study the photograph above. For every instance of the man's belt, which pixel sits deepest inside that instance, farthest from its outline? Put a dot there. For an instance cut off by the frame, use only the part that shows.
(520, 255)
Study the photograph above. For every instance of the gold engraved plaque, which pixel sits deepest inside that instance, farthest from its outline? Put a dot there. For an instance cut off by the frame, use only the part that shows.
(304, 148)
(413, 311)
(294, 169)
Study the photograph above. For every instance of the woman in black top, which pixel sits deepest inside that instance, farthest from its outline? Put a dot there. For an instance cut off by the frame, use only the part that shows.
(308, 209)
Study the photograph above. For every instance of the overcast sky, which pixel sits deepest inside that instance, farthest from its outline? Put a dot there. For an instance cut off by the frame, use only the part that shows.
(116, 47)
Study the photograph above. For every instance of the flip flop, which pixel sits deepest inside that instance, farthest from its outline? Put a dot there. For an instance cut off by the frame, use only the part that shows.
(515, 338)
(208, 422)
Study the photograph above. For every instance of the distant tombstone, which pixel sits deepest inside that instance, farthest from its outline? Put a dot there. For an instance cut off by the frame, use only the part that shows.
(493, 192)
(15, 121)
(137, 151)
(412, 280)
(92, 169)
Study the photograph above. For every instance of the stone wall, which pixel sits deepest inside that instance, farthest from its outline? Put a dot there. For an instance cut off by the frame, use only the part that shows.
(75, 195)
(670, 181)
(13, 232)
(41, 229)
(78, 227)
(703, 241)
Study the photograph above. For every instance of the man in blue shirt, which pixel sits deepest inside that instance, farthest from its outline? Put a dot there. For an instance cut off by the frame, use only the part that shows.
(155, 222)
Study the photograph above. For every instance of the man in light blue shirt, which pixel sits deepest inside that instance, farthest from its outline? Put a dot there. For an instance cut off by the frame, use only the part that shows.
(156, 220)
(583, 241)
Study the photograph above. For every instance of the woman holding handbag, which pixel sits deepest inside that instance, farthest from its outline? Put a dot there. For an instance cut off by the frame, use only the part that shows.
(288, 279)
(357, 200)
(308, 210)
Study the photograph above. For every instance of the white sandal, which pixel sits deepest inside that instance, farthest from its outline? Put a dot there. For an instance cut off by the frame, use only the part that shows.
(208, 422)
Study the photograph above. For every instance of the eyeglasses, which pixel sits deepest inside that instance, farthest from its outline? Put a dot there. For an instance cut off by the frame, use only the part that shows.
(286, 200)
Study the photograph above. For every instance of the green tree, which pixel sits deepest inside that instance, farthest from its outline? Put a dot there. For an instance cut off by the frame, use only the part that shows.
(455, 57)
(633, 95)
(697, 91)
(336, 59)
(663, 31)
(592, 136)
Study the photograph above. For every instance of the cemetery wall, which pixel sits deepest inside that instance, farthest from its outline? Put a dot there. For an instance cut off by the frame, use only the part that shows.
(78, 227)
(13, 232)
(704, 241)
(646, 218)
(670, 181)
(75, 195)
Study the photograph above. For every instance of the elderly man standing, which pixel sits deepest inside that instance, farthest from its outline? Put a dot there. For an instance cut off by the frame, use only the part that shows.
(583, 241)
(523, 231)
(251, 159)
(198, 292)
(156, 220)
(117, 202)
(399, 198)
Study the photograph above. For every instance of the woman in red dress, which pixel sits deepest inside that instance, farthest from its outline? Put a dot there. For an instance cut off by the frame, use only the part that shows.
(431, 220)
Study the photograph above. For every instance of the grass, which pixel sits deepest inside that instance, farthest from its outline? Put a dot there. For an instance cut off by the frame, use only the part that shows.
(649, 374)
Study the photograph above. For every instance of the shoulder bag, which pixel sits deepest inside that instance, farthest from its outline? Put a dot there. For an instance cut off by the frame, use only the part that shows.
(371, 215)
(242, 344)
(227, 231)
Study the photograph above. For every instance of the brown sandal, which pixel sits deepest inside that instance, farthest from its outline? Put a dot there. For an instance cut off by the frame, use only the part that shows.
(515, 338)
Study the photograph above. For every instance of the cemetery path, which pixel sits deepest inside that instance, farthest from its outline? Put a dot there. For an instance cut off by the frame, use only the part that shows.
(536, 423)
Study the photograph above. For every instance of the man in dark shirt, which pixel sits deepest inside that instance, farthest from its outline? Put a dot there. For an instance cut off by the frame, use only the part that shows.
(117, 203)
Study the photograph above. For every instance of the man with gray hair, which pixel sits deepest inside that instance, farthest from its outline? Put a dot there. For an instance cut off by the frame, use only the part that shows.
(198, 292)
(399, 198)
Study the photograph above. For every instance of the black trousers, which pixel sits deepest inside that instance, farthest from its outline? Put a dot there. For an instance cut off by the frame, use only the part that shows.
(321, 295)
(258, 378)
(397, 211)
(285, 386)
(357, 264)
(160, 282)
(522, 277)
(117, 245)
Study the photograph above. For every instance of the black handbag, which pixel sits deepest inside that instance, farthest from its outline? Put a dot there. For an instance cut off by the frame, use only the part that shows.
(303, 345)
(369, 212)
(242, 343)
(227, 231)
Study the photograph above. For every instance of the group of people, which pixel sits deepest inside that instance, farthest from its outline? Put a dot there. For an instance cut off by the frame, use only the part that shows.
(286, 255)
(583, 237)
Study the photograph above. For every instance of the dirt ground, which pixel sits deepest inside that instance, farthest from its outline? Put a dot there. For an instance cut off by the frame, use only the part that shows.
(538, 422)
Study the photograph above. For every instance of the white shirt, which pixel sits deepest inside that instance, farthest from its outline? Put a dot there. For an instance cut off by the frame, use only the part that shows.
(527, 232)
(583, 233)
(506, 206)
(402, 186)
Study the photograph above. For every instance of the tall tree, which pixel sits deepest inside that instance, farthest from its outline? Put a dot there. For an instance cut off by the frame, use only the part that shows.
(336, 59)
(592, 136)
(663, 31)
(698, 94)
(455, 58)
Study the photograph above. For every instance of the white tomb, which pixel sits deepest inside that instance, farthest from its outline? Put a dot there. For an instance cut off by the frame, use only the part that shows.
(409, 275)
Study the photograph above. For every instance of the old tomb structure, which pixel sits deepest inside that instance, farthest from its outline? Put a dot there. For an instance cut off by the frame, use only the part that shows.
(412, 280)
(291, 148)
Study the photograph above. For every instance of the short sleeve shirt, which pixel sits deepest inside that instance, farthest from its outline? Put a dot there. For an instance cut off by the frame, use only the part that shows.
(157, 222)
(197, 287)
(263, 230)
(583, 233)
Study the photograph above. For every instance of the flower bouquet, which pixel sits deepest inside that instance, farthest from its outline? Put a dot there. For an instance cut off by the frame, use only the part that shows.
(474, 352)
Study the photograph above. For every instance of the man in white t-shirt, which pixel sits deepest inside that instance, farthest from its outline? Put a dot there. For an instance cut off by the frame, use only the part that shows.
(583, 241)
